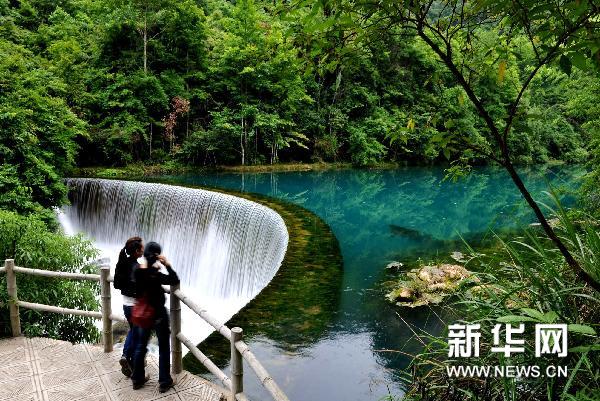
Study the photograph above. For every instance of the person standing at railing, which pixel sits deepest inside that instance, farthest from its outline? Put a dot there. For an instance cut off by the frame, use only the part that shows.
(124, 281)
(150, 314)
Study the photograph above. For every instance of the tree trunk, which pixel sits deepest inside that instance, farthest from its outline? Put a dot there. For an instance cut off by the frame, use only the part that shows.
(145, 45)
(507, 164)
(150, 142)
(272, 151)
(242, 143)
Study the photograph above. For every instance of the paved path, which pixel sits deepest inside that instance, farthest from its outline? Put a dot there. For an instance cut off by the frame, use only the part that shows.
(40, 369)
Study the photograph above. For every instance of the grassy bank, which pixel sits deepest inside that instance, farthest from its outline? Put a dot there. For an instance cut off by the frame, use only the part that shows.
(142, 170)
(523, 280)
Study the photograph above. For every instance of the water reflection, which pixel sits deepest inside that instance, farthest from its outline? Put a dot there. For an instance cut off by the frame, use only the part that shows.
(379, 216)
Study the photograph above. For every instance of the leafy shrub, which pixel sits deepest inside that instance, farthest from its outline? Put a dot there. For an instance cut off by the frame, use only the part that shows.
(29, 241)
(364, 149)
(37, 132)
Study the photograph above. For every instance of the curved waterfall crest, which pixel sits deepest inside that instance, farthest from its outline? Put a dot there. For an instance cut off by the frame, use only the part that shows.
(223, 247)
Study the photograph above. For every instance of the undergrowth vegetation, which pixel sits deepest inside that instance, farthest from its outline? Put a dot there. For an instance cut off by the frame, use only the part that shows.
(31, 243)
(522, 281)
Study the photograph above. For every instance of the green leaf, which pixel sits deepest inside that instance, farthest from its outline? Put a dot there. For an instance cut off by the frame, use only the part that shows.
(437, 137)
(516, 319)
(585, 348)
(579, 61)
(581, 329)
(548, 317)
(537, 315)
(565, 64)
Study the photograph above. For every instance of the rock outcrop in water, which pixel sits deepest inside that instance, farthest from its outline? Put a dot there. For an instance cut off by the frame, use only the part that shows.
(429, 284)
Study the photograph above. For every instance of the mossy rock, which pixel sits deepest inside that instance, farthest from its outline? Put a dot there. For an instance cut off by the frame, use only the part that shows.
(429, 284)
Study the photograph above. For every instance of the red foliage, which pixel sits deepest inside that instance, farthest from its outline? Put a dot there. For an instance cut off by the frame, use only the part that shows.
(179, 107)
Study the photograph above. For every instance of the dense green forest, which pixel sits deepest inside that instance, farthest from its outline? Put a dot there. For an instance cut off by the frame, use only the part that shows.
(220, 82)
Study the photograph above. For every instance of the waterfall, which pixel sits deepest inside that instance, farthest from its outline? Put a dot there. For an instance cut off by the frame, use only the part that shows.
(225, 249)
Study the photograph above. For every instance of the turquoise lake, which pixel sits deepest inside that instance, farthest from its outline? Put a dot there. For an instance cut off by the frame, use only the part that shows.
(380, 216)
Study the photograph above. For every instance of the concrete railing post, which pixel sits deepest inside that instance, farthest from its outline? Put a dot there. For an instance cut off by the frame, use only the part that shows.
(107, 337)
(176, 354)
(11, 286)
(237, 367)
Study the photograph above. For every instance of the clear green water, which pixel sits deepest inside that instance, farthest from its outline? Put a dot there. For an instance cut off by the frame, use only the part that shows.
(380, 216)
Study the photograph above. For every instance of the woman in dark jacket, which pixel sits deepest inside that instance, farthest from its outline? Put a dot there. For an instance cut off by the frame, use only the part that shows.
(149, 280)
(124, 281)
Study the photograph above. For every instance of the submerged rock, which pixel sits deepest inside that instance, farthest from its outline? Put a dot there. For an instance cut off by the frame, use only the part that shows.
(409, 233)
(553, 223)
(429, 284)
(458, 256)
(395, 265)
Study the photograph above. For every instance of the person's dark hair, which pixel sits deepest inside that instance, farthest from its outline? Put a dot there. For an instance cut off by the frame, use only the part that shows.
(151, 252)
(132, 245)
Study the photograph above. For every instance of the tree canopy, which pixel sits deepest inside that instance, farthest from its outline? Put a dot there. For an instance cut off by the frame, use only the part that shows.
(253, 82)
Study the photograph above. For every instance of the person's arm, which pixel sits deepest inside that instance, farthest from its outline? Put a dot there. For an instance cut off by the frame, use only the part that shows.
(170, 278)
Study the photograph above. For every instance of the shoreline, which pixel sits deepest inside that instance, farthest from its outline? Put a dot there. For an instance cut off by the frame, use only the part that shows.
(141, 171)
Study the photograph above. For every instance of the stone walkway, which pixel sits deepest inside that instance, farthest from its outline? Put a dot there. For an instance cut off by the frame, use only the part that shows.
(41, 369)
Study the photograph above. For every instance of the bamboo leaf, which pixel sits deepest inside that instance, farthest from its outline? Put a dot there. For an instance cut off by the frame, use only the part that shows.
(516, 319)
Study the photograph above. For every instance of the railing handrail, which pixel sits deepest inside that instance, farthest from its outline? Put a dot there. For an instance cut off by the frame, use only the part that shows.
(50, 273)
(239, 349)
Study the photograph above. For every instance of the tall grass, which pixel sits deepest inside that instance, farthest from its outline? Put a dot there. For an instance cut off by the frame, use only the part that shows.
(524, 280)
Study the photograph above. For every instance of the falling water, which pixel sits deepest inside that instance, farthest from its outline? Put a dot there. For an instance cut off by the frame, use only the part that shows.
(225, 249)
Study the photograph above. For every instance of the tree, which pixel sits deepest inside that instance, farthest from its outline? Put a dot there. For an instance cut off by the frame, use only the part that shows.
(145, 16)
(37, 133)
(563, 32)
(255, 75)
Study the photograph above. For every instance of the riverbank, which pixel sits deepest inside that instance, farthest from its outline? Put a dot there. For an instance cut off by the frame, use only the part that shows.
(523, 280)
(143, 170)
(139, 170)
